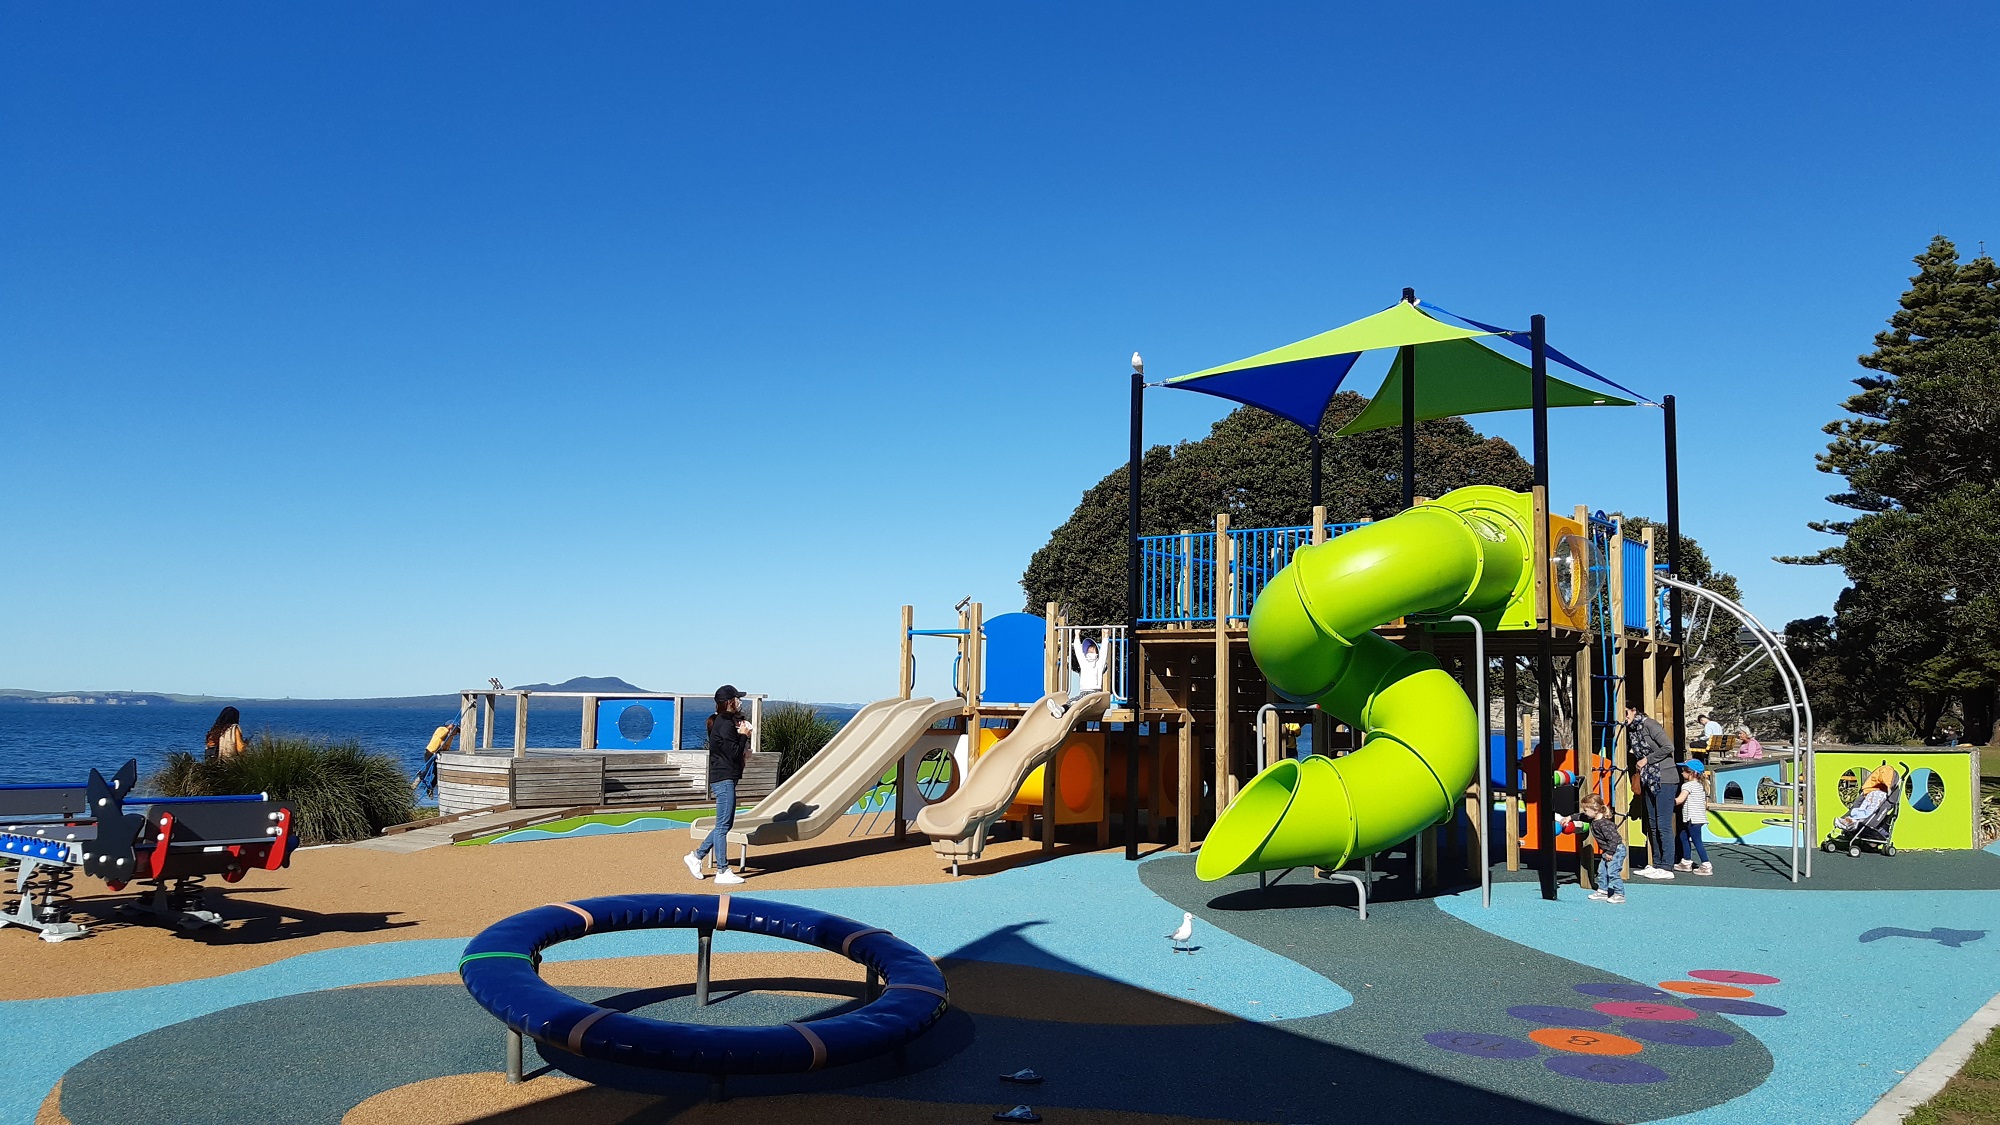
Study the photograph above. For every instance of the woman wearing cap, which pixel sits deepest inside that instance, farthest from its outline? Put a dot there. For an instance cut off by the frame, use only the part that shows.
(728, 741)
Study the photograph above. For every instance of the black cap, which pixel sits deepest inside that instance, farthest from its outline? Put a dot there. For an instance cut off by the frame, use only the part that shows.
(725, 693)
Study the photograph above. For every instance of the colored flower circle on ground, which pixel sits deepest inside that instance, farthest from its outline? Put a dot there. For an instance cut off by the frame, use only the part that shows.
(1732, 976)
(1565, 1017)
(1678, 1034)
(1481, 1044)
(1631, 1011)
(1583, 1042)
(1614, 991)
(1724, 1006)
(1704, 988)
(1619, 1072)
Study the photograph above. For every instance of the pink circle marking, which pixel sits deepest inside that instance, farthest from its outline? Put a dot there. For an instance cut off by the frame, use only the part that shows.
(1640, 1010)
(1732, 976)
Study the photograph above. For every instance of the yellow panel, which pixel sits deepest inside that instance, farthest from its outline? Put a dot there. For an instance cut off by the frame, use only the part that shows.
(1569, 574)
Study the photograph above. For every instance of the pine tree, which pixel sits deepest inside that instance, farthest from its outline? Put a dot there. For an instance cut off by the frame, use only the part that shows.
(1915, 632)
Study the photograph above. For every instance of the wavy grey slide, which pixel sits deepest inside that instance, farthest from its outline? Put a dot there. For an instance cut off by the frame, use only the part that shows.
(811, 800)
(957, 825)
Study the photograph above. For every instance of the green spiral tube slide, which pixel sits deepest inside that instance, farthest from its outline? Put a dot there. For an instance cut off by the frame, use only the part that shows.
(1312, 634)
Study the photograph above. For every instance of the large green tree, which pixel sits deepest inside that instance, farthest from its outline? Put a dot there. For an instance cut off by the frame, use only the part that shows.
(1257, 468)
(1916, 635)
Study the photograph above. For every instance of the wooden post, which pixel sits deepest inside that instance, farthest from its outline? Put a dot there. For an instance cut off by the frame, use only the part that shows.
(1053, 664)
(1223, 788)
(468, 722)
(1319, 524)
(589, 739)
(1184, 789)
(521, 725)
(1157, 808)
(1050, 775)
(487, 706)
(906, 668)
(1586, 753)
(975, 638)
(756, 725)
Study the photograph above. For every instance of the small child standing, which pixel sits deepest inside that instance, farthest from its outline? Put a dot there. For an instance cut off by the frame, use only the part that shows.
(1693, 802)
(1610, 849)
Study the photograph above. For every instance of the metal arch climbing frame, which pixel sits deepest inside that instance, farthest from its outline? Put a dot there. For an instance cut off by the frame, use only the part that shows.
(1798, 704)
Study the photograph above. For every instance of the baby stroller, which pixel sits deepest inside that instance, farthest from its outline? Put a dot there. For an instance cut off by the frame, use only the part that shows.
(1871, 821)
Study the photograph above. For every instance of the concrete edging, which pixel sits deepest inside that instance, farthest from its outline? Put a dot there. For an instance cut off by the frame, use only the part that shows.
(1929, 1076)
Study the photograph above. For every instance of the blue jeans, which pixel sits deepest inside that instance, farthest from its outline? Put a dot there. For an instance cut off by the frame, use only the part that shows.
(1610, 870)
(717, 839)
(1689, 844)
(1660, 826)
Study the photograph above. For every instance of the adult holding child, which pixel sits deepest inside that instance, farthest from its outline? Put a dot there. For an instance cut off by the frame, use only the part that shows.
(728, 742)
(1657, 782)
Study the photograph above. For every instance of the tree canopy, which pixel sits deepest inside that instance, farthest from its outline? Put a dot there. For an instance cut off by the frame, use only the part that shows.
(1258, 468)
(1916, 635)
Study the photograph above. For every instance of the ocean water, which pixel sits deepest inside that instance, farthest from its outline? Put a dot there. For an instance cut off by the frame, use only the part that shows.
(42, 743)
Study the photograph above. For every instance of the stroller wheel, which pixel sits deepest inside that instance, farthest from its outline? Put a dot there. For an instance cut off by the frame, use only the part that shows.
(1888, 849)
(1855, 852)
(1828, 847)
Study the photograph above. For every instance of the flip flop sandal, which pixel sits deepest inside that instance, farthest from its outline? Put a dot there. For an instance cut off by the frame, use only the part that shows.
(1018, 1113)
(1026, 1076)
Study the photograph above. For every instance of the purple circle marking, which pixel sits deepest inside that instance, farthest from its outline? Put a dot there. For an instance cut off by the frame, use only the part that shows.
(1625, 992)
(1678, 1034)
(1732, 976)
(1639, 1010)
(1618, 1072)
(1482, 1045)
(1559, 1017)
(1729, 1007)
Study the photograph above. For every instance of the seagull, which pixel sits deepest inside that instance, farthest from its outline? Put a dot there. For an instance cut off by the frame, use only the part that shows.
(1181, 936)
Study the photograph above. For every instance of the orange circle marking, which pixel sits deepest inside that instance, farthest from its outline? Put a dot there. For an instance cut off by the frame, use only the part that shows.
(1704, 988)
(1577, 1040)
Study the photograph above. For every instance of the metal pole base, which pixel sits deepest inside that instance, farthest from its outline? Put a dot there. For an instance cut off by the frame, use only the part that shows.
(704, 951)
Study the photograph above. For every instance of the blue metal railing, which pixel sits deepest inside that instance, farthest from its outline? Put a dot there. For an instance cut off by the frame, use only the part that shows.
(1635, 584)
(1177, 583)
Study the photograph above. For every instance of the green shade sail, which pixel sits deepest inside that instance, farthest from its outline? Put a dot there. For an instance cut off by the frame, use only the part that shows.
(1296, 381)
(1457, 376)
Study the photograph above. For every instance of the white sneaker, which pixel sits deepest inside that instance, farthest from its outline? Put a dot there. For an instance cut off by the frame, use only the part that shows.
(724, 877)
(1705, 869)
(1616, 900)
(694, 865)
(1653, 873)
(1684, 865)
(1597, 896)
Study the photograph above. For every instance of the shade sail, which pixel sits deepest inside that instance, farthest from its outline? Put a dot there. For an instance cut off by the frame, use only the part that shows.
(1457, 377)
(1296, 381)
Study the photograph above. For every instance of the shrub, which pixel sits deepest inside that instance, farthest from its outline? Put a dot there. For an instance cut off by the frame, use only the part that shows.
(795, 733)
(338, 790)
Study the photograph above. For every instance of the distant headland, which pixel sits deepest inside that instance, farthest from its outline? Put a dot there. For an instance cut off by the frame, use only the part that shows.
(596, 685)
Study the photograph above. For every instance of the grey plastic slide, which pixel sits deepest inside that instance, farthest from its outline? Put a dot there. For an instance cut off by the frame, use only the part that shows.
(811, 800)
(957, 825)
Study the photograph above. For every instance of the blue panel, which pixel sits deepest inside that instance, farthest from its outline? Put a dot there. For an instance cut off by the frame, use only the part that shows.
(55, 851)
(1298, 390)
(1014, 658)
(1635, 584)
(636, 724)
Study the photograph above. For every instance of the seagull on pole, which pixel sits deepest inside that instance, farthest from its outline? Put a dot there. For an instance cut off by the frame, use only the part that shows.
(1182, 936)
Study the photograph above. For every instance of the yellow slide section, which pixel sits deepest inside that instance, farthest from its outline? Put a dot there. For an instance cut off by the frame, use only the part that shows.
(1312, 634)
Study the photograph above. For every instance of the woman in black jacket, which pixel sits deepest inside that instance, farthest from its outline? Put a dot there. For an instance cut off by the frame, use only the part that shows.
(728, 741)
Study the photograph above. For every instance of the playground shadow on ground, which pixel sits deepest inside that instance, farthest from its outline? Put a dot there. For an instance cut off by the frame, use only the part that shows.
(1105, 1047)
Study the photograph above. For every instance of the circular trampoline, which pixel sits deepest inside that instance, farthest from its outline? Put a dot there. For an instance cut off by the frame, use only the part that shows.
(500, 969)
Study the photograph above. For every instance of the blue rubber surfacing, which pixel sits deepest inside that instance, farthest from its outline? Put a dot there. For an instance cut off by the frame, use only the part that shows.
(1085, 913)
(1859, 1015)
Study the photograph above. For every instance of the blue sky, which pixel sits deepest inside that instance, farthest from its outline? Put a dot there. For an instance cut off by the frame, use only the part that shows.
(376, 349)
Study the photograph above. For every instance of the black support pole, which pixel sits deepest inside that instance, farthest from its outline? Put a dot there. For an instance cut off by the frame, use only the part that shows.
(1674, 631)
(1315, 477)
(1408, 355)
(1545, 661)
(1132, 690)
